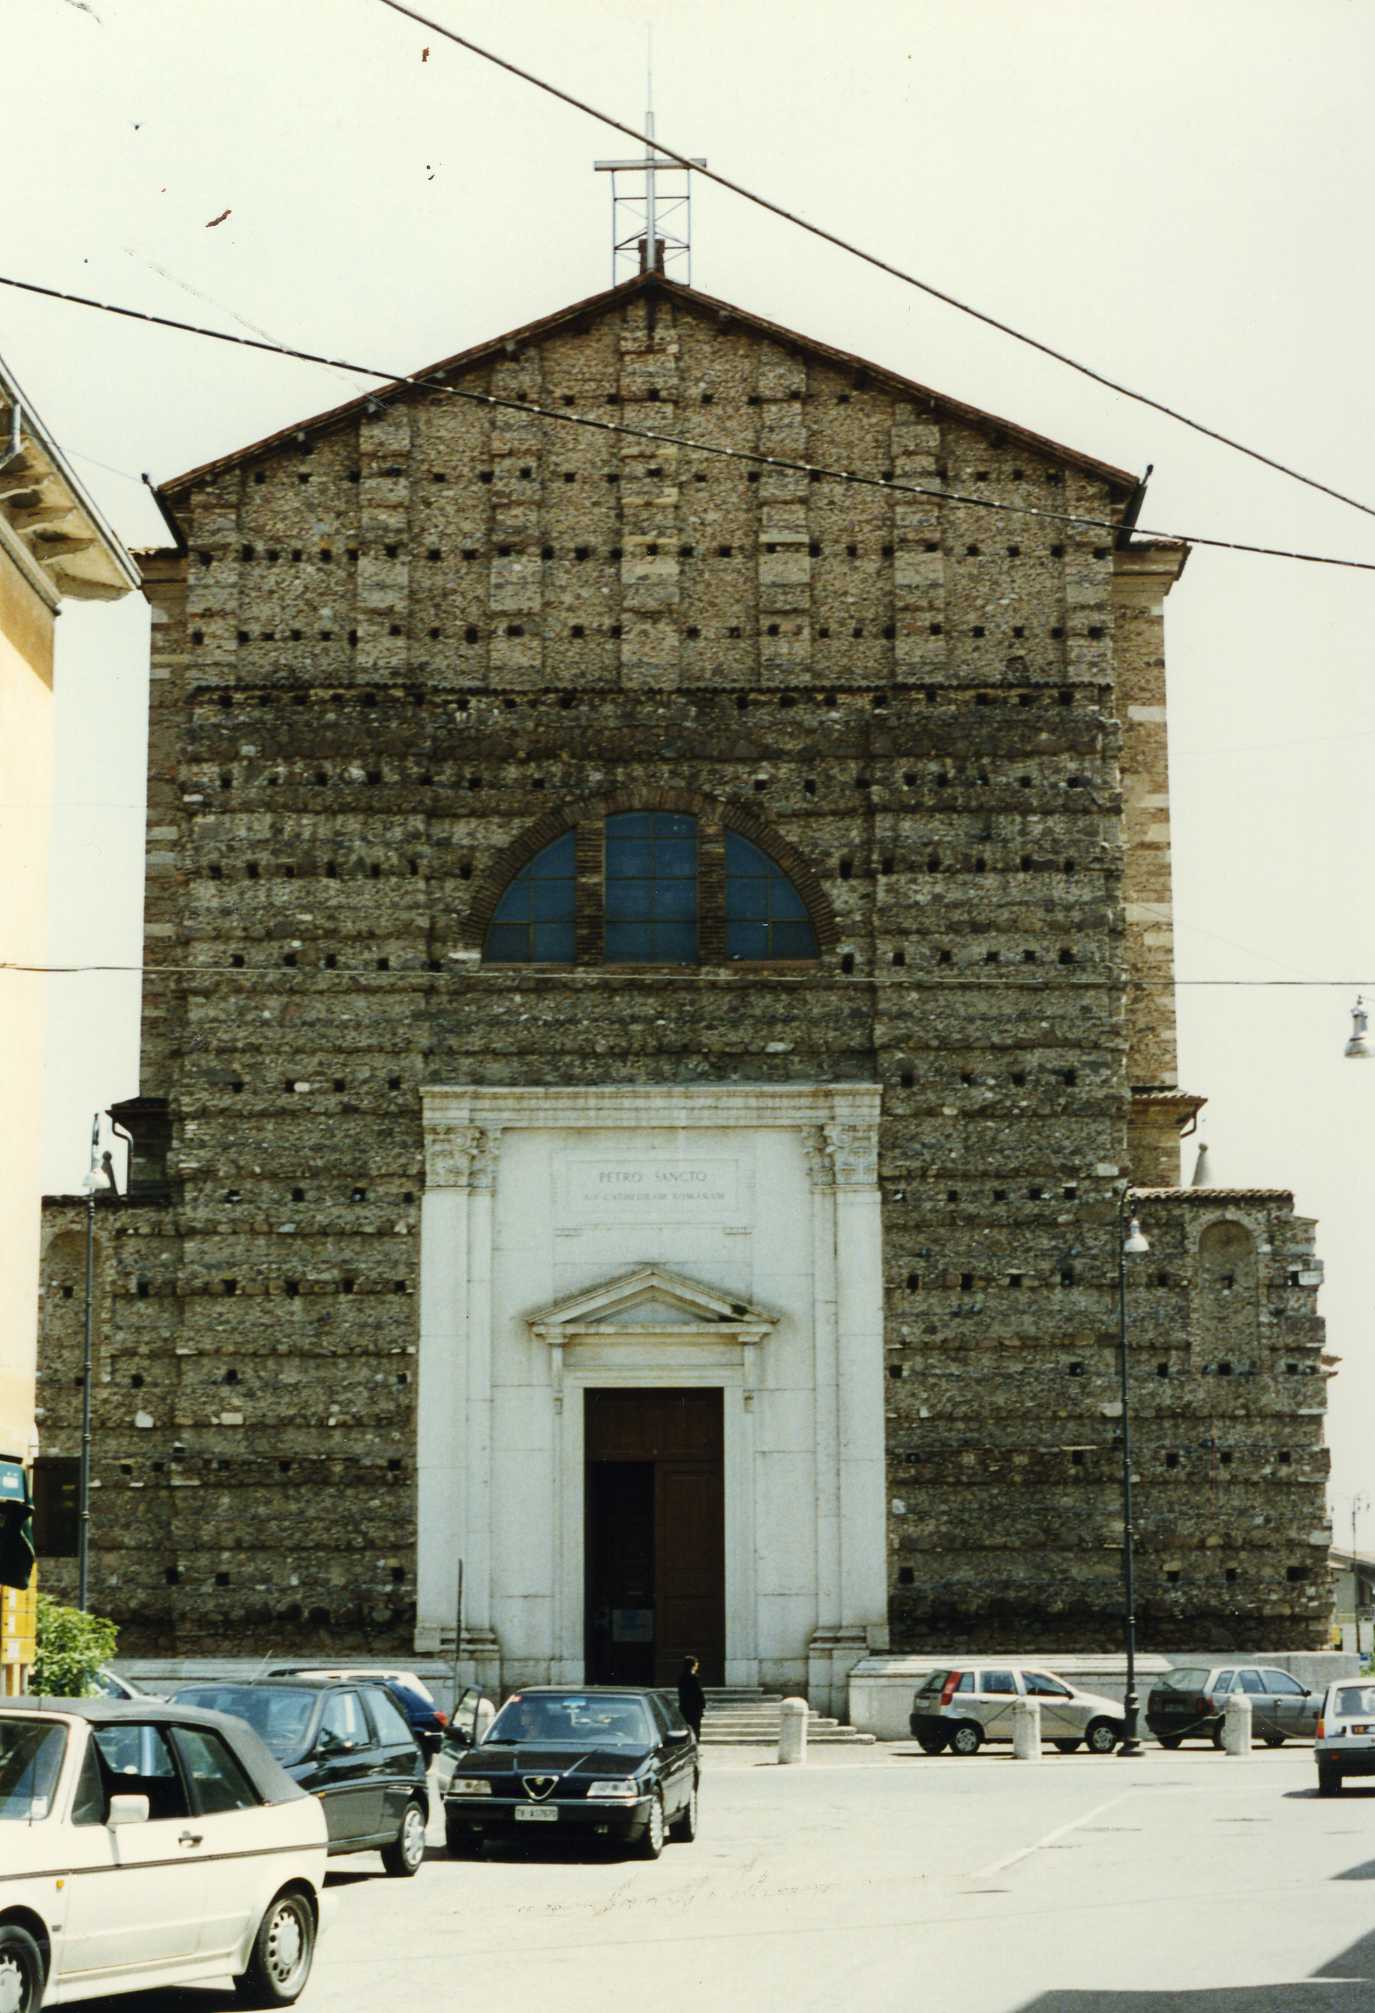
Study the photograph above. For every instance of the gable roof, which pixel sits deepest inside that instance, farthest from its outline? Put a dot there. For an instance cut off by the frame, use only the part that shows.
(708, 308)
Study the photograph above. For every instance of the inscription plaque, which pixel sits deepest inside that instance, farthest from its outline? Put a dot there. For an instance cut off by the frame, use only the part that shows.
(639, 1190)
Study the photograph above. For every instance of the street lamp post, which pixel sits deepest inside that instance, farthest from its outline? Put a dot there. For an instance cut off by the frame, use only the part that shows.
(1129, 1239)
(98, 1177)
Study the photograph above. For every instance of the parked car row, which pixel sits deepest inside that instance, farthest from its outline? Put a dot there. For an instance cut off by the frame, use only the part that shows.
(264, 1779)
(960, 1707)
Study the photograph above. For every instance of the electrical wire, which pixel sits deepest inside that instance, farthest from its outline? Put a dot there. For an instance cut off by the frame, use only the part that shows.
(808, 468)
(695, 976)
(872, 259)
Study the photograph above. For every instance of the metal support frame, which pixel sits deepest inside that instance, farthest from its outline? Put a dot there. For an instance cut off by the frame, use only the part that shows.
(647, 244)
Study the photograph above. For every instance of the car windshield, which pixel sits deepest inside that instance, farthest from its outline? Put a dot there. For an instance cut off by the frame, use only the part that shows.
(1354, 1701)
(1189, 1677)
(30, 1757)
(582, 1718)
(280, 1715)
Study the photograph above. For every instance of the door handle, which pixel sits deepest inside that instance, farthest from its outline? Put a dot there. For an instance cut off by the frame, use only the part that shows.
(189, 1837)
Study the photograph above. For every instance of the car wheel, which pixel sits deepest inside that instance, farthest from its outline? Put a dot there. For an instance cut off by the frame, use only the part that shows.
(652, 1838)
(932, 1743)
(684, 1825)
(462, 1843)
(1273, 1739)
(1170, 1740)
(1215, 1733)
(21, 1970)
(406, 1853)
(1065, 1746)
(967, 1737)
(1329, 1779)
(282, 1951)
(1102, 1736)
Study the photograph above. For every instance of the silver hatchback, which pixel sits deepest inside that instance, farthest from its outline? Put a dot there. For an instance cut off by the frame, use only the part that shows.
(961, 1707)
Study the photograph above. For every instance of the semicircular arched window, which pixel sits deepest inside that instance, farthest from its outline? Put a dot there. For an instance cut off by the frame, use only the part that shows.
(650, 889)
(667, 887)
(765, 915)
(533, 923)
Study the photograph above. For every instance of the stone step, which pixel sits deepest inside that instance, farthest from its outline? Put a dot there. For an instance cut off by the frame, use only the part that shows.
(840, 1736)
(730, 1722)
(756, 1722)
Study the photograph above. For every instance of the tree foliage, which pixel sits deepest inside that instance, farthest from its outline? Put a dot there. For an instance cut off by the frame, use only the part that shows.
(72, 1646)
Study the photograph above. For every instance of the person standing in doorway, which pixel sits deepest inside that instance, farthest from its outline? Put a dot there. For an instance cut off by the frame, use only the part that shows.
(692, 1700)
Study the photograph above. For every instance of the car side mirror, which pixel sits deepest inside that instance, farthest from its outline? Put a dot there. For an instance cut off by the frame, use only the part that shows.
(457, 1736)
(330, 1742)
(127, 1810)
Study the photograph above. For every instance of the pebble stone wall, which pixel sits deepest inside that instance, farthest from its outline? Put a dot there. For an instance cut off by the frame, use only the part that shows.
(403, 648)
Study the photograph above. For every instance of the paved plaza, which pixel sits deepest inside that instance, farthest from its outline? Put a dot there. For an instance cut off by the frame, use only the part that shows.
(886, 1879)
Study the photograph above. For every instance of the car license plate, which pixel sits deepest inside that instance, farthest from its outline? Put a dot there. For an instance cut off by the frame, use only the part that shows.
(536, 1813)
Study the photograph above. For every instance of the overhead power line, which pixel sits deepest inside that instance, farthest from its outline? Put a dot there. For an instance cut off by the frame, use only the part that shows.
(872, 259)
(564, 418)
(666, 975)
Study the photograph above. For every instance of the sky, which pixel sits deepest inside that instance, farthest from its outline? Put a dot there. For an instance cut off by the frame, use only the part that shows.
(1169, 191)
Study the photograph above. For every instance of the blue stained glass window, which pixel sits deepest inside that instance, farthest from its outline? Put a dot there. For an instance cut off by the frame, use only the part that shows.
(650, 889)
(533, 922)
(765, 915)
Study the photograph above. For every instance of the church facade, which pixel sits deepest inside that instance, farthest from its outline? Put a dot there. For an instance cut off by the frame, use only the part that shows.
(659, 979)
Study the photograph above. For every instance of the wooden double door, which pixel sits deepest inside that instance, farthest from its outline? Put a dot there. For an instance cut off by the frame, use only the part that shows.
(655, 1540)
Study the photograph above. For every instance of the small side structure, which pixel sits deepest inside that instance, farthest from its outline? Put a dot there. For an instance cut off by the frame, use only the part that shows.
(54, 545)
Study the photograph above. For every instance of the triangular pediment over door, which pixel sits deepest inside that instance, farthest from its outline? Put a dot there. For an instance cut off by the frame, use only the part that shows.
(650, 1301)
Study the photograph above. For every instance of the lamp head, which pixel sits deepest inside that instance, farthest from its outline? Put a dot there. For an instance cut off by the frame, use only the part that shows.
(1358, 1048)
(1135, 1240)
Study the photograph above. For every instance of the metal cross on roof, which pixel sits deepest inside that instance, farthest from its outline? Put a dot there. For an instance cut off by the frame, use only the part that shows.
(651, 225)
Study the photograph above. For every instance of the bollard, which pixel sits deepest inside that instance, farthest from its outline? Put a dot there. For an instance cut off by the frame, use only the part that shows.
(792, 1730)
(1236, 1724)
(1026, 1729)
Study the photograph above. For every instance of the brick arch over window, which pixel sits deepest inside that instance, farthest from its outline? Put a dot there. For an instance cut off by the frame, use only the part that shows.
(586, 817)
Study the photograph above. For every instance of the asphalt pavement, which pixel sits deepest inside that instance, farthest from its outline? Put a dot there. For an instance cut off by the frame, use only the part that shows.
(883, 1878)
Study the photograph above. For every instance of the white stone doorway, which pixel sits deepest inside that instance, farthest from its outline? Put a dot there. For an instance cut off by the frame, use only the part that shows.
(724, 1239)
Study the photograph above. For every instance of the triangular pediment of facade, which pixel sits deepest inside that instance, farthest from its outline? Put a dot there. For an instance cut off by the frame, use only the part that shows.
(447, 373)
(650, 1300)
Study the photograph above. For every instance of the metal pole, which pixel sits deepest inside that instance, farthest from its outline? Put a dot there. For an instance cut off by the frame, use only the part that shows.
(458, 1637)
(83, 1528)
(1130, 1744)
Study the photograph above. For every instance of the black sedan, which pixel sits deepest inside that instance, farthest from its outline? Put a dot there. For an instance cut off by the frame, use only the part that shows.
(596, 1762)
(349, 1745)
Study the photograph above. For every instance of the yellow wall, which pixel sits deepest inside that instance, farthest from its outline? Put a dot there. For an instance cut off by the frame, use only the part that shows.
(26, 760)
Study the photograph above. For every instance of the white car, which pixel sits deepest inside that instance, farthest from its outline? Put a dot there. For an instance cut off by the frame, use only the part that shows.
(1345, 1740)
(961, 1708)
(144, 1844)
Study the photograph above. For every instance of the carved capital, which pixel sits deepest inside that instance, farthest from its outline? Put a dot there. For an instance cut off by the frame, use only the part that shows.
(456, 1156)
(853, 1151)
(484, 1167)
(816, 1152)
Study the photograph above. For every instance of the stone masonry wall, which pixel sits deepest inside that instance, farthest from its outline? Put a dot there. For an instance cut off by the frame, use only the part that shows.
(398, 647)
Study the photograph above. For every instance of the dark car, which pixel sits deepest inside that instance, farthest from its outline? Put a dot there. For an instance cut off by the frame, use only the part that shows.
(1188, 1703)
(347, 1744)
(411, 1693)
(591, 1762)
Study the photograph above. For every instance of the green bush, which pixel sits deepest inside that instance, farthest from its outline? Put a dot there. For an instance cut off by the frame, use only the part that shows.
(72, 1646)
